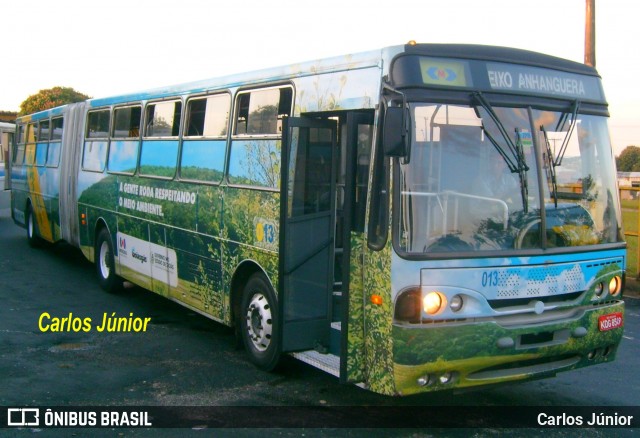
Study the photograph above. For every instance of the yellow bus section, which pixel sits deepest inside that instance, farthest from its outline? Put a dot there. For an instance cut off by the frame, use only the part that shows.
(37, 203)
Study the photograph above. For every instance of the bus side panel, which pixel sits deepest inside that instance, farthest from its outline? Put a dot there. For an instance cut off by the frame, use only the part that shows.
(97, 200)
(250, 232)
(378, 319)
(19, 193)
(193, 239)
(355, 336)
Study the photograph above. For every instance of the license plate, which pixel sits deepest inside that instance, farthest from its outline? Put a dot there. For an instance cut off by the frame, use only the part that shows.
(610, 321)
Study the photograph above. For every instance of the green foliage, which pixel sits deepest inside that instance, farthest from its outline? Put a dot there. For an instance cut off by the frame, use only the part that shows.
(355, 350)
(378, 322)
(50, 98)
(629, 159)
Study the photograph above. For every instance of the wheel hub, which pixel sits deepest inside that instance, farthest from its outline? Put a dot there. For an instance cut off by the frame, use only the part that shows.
(259, 322)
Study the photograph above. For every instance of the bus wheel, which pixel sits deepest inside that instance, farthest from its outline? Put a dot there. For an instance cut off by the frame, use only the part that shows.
(259, 323)
(32, 238)
(105, 263)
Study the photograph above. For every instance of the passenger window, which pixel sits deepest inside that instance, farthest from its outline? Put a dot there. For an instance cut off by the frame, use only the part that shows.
(98, 124)
(44, 130)
(126, 122)
(208, 117)
(32, 133)
(56, 128)
(261, 112)
(204, 145)
(18, 152)
(163, 119)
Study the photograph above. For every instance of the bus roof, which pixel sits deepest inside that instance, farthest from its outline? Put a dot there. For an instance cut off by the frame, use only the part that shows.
(376, 58)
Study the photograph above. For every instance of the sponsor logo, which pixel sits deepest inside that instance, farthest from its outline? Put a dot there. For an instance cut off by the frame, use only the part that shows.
(138, 256)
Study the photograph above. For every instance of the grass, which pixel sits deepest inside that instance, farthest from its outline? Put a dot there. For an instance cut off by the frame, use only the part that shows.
(630, 212)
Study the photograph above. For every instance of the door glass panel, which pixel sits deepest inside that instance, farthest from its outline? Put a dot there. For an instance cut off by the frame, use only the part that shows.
(310, 171)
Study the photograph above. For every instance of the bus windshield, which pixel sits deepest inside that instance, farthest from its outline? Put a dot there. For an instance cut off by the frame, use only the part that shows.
(484, 178)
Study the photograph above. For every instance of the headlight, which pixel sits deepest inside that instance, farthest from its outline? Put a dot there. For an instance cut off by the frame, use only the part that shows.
(433, 302)
(456, 303)
(615, 285)
(598, 289)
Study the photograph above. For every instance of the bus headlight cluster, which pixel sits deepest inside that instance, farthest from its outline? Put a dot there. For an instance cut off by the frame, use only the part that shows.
(434, 302)
(413, 303)
(614, 287)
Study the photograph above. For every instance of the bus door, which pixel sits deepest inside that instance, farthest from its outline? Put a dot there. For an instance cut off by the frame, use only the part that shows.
(356, 144)
(307, 233)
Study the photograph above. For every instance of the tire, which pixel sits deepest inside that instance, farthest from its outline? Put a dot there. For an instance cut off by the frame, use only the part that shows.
(32, 235)
(259, 324)
(105, 263)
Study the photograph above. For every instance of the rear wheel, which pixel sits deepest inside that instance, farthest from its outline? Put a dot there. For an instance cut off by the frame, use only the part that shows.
(32, 237)
(259, 323)
(105, 263)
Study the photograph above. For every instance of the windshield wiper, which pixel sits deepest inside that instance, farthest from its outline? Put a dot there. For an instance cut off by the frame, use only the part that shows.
(514, 156)
(563, 120)
(551, 166)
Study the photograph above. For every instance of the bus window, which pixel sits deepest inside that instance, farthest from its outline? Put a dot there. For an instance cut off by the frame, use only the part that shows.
(18, 152)
(125, 140)
(159, 154)
(163, 119)
(30, 148)
(95, 146)
(260, 112)
(53, 154)
(56, 128)
(203, 148)
(208, 117)
(126, 122)
(44, 130)
(98, 124)
(43, 143)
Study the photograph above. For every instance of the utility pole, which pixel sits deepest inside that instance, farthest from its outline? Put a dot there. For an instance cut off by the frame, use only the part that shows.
(590, 34)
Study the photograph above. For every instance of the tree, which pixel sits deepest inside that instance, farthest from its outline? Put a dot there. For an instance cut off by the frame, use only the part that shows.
(50, 98)
(629, 159)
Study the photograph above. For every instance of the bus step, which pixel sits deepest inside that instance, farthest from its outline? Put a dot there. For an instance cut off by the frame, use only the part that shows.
(329, 363)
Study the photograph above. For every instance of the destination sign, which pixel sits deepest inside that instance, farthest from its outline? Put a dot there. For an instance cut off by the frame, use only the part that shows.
(519, 78)
(504, 77)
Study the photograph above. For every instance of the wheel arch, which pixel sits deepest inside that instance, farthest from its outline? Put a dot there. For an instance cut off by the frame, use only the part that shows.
(100, 224)
(241, 276)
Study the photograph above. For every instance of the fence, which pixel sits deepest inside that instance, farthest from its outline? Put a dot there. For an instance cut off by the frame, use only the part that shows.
(630, 199)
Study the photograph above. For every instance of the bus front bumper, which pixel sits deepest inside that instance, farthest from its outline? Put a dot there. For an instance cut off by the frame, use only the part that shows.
(464, 354)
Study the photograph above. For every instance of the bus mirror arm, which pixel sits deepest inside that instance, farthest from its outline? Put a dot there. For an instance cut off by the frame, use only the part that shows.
(396, 133)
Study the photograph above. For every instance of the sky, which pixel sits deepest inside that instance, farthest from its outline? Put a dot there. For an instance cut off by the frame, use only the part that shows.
(104, 48)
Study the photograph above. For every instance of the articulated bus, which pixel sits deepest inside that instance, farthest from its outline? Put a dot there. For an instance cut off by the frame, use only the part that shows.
(410, 219)
(6, 140)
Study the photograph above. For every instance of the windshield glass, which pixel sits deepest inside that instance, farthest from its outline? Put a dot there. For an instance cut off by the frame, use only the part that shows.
(472, 182)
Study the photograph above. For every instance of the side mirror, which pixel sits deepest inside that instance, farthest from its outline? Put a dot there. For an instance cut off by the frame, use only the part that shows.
(395, 136)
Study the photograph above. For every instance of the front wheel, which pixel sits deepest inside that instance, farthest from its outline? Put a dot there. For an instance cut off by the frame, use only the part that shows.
(259, 323)
(105, 263)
